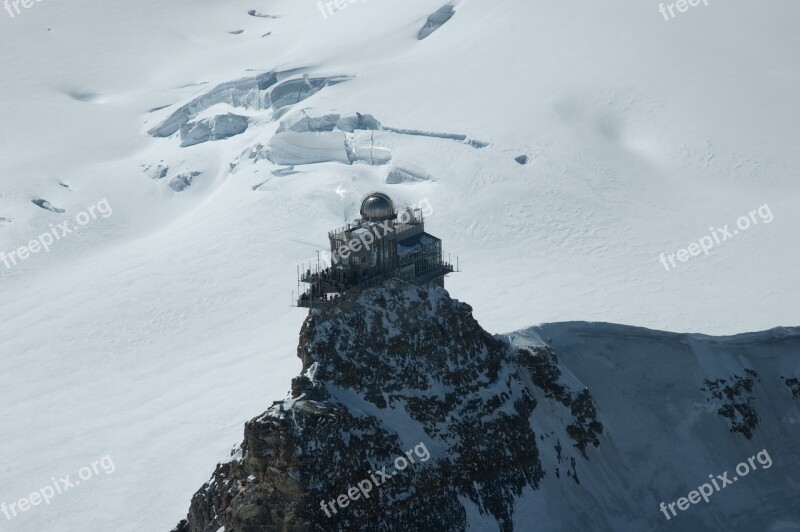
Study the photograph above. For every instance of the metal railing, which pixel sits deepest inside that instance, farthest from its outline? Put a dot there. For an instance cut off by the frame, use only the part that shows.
(312, 298)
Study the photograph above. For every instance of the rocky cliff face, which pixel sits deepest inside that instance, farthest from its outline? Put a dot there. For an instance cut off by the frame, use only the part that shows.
(407, 416)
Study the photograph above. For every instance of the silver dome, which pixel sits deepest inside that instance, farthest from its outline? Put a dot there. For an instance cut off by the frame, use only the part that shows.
(377, 207)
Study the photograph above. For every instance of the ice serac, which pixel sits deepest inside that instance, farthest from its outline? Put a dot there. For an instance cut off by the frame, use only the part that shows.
(44, 204)
(296, 90)
(290, 148)
(246, 92)
(182, 181)
(385, 370)
(436, 21)
(216, 128)
(397, 176)
(274, 89)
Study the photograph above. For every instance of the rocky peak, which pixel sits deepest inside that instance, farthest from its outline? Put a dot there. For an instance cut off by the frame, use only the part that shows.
(405, 411)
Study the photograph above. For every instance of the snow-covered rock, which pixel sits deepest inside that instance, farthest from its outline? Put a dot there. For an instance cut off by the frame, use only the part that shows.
(526, 431)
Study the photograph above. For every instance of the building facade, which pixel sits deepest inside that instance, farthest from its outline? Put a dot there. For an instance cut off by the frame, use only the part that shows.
(381, 244)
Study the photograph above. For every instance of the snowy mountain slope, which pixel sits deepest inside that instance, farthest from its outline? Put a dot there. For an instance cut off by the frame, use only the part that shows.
(641, 134)
(663, 433)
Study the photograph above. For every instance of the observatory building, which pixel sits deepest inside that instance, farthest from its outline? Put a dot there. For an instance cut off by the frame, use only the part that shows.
(381, 244)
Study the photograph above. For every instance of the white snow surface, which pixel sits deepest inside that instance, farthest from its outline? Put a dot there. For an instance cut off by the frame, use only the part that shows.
(153, 334)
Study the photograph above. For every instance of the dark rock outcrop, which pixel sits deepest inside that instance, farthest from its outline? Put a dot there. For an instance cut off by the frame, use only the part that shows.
(542, 363)
(734, 397)
(794, 386)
